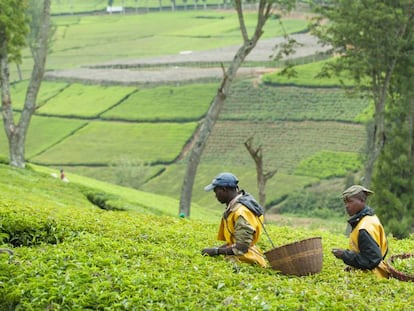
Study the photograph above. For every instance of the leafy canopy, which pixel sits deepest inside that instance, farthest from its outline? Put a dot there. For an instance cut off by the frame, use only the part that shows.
(13, 27)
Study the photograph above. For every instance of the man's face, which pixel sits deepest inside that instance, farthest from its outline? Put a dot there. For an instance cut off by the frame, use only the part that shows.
(353, 205)
(221, 194)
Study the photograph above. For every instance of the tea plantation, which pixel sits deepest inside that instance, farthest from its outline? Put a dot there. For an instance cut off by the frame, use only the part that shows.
(70, 254)
(92, 244)
(139, 134)
(96, 130)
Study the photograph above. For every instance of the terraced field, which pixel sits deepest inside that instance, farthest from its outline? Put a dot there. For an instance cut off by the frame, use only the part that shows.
(96, 119)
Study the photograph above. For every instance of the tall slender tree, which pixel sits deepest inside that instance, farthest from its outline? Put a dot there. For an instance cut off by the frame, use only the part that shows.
(371, 37)
(13, 30)
(393, 175)
(264, 11)
(375, 44)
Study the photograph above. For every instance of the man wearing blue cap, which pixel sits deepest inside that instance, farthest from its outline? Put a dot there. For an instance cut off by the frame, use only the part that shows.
(241, 224)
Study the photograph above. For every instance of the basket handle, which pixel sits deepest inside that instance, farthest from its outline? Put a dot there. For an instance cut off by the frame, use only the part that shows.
(267, 234)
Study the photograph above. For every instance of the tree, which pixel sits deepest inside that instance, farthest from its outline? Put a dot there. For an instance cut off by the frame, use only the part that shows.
(393, 175)
(13, 30)
(375, 42)
(393, 178)
(264, 11)
(35, 14)
(262, 177)
(370, 36)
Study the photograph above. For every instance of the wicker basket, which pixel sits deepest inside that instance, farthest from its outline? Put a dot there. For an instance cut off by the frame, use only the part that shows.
(398, 274)
(298, 258)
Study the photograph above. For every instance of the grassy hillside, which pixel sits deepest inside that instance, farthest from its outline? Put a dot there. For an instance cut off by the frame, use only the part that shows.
(294, 125)
(72, 255)
(139, 136)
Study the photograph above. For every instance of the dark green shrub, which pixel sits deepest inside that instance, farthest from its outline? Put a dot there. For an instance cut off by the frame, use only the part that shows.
(104, 201)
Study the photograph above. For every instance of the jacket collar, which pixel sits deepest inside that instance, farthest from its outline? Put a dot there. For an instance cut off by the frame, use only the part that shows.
(355, 219)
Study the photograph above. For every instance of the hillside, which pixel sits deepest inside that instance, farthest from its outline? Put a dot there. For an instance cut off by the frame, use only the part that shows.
(72, 255)
(138, 133)
(88, 244)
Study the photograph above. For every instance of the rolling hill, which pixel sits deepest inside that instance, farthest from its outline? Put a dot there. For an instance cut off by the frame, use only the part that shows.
(139, 135)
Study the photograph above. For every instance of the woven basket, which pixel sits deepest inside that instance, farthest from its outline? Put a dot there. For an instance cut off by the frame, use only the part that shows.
(298, 258)
(398, 274)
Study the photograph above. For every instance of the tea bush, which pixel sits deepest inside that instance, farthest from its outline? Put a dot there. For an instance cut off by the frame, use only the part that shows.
(128, 260)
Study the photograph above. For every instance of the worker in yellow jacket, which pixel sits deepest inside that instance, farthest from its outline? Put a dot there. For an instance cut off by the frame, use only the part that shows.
(367, 242)
(241, 224)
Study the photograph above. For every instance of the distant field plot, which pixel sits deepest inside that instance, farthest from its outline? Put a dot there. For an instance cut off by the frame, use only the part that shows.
(178, 103)
(104, 142)
(86, 40)
(262, 102)
(47, 91)
(307, 75)
(327, 164)
(285, 144)
(43, 133)
(85, 100)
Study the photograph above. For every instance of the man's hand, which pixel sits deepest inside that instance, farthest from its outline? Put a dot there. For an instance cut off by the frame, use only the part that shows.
(338, 252)
(211, 251)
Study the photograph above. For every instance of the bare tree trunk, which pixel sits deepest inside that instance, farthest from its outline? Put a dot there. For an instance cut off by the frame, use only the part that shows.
(19, 72)
(262, 178)
(218, 102)
(16, 134)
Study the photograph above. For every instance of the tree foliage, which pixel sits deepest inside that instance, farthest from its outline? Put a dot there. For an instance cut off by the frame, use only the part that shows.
(11, 42)
(374, 44)
(393, 182)
(393, 174)
(13, 28)
(371, 39)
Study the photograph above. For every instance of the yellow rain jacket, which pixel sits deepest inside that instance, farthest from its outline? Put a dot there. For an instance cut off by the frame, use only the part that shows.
(371, 225)
(239, 215)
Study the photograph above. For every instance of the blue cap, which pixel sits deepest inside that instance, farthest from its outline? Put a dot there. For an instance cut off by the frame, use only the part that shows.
(223, 180)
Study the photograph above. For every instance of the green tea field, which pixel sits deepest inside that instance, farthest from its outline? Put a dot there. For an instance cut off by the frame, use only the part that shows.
(72, 252)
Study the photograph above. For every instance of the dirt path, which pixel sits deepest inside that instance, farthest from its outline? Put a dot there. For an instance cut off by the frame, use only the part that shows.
(109, 72)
